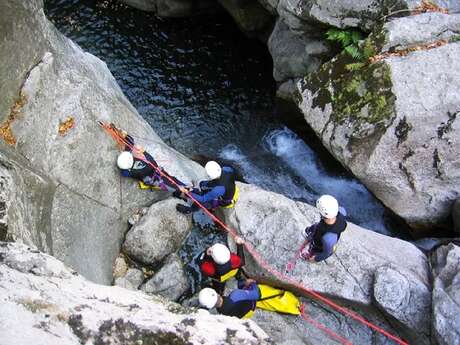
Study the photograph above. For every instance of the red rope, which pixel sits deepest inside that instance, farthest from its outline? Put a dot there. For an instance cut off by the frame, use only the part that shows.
(320, 326)
(261, 261)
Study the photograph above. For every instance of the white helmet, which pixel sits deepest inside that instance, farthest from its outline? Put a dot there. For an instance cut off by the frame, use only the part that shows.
(125, 160)
(208, 298)
(220, 253)
(327, 206)
(213, 170)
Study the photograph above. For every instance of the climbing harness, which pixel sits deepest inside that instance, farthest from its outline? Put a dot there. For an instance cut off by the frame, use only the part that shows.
(115, 133)
(236, 195)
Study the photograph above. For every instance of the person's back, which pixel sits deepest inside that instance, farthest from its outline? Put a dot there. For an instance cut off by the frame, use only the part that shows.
(241, 302)
(219, 264)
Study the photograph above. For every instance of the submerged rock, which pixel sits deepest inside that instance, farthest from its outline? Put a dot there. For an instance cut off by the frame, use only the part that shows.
(446, 295)
(159, 233)
(173, 8)
(65, 195)
(170, 281)
(44, 302)
(393, 120)
(250, 16)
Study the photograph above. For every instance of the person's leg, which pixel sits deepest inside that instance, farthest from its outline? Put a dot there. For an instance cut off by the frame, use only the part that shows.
(187, 209)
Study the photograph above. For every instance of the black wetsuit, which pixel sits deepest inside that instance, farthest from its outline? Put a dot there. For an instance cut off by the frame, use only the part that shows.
(325, 236)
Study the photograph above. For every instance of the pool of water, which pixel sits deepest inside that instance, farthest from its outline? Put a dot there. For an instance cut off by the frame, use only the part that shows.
(207, 89)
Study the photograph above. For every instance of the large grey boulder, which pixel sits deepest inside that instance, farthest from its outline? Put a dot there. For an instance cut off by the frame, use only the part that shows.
(446, 295)
(273, 224)
(173, 8)
(394, 123)
(78, 202)
(170, 281)
(407, 300)
(159, 233)
(364, 14)
(295, 55)
(44, 302)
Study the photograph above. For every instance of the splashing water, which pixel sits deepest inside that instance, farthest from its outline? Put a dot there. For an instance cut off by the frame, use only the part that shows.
(302, 176)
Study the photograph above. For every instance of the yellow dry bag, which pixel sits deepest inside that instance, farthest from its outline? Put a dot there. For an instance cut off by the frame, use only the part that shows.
(280, 301)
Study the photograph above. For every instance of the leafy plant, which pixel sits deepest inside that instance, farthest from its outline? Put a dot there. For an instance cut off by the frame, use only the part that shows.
(348, 39)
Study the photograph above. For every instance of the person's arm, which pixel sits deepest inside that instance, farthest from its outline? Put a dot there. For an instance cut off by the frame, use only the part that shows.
(129, 142)
(125, 173)
(240, 253)
(328, 240)
(309, 231)
(251, 293)
(150, 159)
(214, 193)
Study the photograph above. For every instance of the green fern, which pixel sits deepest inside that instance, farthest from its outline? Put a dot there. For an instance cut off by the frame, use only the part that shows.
(348, 39)
(353, 51)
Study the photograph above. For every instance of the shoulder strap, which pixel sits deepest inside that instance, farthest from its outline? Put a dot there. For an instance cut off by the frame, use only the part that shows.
(272, 296)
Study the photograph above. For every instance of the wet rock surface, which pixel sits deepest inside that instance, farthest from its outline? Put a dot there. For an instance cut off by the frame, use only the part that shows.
(173, 8)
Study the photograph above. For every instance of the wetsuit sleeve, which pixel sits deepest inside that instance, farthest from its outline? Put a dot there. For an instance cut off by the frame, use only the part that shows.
(204, 184)
(328, 240)
(149, 158)
(208, 268)
(252, 293)
(309, 230)
(240, 253)
(125, 173)
(214, 193)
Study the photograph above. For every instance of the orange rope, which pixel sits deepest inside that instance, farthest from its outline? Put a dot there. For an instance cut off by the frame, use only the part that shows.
(260, 260)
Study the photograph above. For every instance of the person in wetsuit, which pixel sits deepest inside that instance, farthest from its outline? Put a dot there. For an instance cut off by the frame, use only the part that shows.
(219, 264)
(240, 302)
(219, 190)
(324, 235)
(134, 162)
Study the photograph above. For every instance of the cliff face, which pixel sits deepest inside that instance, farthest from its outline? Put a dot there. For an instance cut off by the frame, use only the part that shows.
(392, 118)
(44, 302)
(63, 192)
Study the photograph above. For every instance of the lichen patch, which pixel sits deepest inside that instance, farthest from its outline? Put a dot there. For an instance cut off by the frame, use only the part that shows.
(5, 128)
